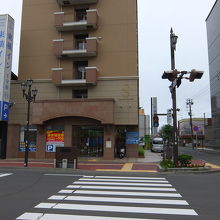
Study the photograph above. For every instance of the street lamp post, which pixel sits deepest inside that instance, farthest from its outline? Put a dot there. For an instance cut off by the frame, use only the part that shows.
(30, 96)
(173, 41)
(189, 102)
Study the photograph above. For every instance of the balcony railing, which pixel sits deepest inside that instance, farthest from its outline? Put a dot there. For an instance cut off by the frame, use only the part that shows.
(67, 49)
(76, 2)
(62, 77)
(67, 22)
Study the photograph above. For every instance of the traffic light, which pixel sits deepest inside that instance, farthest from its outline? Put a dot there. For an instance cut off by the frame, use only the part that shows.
(170, 75)
(194, 74)
(156, 121)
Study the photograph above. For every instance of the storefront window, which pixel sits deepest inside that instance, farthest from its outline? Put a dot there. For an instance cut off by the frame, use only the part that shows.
(32, 136)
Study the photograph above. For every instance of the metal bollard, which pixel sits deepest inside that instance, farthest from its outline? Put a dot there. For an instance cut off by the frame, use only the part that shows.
(74, 163)
(64, 163)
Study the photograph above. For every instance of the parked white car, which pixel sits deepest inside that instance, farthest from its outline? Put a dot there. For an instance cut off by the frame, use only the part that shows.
(157, 144)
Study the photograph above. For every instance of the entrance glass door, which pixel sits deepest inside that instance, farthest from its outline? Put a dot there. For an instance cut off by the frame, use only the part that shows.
(89, 140)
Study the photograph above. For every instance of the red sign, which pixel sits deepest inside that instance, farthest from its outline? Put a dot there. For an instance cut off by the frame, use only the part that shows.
(55, 136)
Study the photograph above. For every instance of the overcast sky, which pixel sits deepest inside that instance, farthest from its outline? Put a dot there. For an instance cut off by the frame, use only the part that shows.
(156, 17)
(187, 18)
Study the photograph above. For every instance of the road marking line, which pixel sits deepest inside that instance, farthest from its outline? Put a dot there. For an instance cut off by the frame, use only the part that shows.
(123, 177)
(121, 193)
(120, 200)
(122, 184)
(58, 174)
(127, 166)
(134, 171)
(5, 174)
(124, 209)
(212, 165)
(31, 216)
(123, 180)
(121, 188)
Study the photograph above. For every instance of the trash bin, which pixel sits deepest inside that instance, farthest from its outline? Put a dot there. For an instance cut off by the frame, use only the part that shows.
(66, 157)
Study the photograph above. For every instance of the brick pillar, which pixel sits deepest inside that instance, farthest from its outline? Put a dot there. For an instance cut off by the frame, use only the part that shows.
(41, 142)
(109, 142)
(13, 139)
(68, 135)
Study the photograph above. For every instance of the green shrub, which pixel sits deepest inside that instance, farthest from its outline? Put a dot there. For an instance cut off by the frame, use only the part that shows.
(184, 160)
(141, 151)
(167, 164)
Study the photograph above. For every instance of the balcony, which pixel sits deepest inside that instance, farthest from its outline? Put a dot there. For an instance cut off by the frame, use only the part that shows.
(66, 49)
(66, 21)
(76, 2)
(62, 77)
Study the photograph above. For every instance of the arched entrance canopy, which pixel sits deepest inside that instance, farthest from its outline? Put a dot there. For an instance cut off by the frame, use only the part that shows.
(98, 109)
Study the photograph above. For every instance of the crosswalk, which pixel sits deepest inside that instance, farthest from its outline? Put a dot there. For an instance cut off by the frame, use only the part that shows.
(5, 174)
(113, 198)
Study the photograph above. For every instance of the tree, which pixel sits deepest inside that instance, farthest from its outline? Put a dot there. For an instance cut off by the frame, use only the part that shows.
(166, 132)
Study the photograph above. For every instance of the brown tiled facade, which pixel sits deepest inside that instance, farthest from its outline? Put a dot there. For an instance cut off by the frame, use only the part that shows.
(82, 56)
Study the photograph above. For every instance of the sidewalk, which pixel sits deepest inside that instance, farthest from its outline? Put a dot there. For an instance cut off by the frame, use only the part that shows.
(148, 164)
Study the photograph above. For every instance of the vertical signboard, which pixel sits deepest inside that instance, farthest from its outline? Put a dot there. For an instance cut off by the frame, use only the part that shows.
(154, 112)
(6, 47)
(132, 137)
(54, 138)
(169, 116)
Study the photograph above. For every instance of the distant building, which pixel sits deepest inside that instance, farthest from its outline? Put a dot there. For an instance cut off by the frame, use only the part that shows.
(144, 123)
(213, 34)
(198, 127)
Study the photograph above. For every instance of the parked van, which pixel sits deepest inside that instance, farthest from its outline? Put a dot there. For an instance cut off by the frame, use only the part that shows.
(157, 144)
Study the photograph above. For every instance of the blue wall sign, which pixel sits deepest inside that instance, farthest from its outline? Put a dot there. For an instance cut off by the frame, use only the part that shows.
(4, 109)
(132, 137)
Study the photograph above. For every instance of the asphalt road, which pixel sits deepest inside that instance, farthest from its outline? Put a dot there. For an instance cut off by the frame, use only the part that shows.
(120, 195)
(202, 154)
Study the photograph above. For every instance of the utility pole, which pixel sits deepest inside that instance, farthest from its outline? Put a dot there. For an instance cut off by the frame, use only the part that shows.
(189, 102)
(173, 41)
(176, 77)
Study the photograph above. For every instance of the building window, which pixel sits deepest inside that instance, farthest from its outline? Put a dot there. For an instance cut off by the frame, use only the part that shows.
(81, 41)
(81, 14)
(33, 138)
(80, 93)
(80, 67)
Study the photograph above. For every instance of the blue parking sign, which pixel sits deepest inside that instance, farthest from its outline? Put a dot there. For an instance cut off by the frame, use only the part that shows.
(50, 148)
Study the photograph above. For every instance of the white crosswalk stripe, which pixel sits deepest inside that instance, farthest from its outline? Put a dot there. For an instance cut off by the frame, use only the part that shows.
(5, 174)
(124, 180)
(42, 216)
(121, 188)
(122, 196)
(123, 200)
(124, 184)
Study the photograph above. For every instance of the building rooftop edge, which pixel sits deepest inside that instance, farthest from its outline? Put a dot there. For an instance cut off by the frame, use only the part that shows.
(211, 10)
